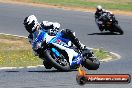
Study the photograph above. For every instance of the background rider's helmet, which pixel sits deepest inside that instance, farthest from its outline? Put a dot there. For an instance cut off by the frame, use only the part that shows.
(99, 8)
(30, 23)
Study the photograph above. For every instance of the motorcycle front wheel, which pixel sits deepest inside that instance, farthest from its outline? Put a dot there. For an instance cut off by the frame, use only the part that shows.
(118, 29)
(59, 63)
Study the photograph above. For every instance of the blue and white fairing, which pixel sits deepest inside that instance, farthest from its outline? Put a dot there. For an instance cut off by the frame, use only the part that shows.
(61, 43)
(40, 36)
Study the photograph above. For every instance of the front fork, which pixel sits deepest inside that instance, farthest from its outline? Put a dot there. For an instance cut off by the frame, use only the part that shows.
(57, 54)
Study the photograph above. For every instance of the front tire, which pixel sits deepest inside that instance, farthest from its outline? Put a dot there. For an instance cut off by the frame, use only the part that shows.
(47, 64)
(55, 64)
(118, 29)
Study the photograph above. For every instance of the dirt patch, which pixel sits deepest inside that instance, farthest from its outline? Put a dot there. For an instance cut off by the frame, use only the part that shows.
(9, 44)
(24, 2)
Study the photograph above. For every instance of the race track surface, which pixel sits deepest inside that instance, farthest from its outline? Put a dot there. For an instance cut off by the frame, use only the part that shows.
(11, 19)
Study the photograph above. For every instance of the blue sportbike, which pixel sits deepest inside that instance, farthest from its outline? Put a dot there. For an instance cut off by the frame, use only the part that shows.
(63, 55)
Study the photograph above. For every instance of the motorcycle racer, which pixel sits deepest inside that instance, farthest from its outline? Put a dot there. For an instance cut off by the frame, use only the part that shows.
(99, 12)
(35, 29)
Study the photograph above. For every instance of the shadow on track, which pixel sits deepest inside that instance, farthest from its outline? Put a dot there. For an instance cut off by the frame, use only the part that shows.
(12, 71)
(50, 71)
(47, 71)
(104, 33)
(37, 71)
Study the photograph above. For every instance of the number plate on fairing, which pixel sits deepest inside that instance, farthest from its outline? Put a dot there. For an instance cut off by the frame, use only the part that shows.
(61, 43)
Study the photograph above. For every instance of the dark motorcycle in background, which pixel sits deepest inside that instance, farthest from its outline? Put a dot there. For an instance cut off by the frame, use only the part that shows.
(109, 23)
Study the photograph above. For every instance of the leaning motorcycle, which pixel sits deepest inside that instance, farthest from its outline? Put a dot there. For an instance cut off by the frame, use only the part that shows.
(109, 23)
(57, 51)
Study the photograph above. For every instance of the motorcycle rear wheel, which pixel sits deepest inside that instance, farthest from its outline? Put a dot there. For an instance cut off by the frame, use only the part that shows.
(92, 63)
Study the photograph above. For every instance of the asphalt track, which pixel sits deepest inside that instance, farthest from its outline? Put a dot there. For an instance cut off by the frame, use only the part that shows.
(11, 19)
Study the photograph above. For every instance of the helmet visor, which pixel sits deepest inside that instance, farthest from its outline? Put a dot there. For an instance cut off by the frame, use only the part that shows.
(29, 27)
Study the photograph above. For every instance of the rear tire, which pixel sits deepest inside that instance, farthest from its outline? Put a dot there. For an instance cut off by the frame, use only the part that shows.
(90, 61)
(56, 65)
(91, 64)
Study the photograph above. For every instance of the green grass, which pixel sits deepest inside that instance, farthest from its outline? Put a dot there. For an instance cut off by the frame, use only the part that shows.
(17, 52)
(18, 58)
(108, 4)
(102, 54)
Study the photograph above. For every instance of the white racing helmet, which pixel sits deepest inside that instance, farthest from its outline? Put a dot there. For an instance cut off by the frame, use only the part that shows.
(30, 23)
(99, 8)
